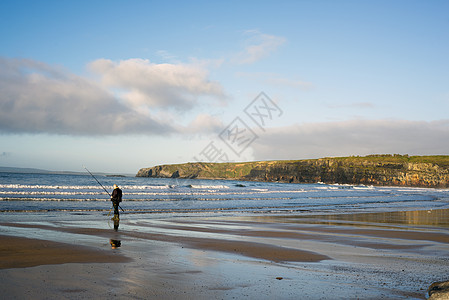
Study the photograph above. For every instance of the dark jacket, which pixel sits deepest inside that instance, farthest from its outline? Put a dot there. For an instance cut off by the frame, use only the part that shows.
(116, 195)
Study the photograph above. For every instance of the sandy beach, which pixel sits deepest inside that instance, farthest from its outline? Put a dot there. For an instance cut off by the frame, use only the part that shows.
(348, 256)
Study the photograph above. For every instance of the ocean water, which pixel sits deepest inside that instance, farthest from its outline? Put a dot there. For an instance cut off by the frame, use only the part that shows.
(62, 194)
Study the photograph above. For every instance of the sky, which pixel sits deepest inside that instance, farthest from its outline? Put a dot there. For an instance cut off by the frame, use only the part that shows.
(120, 85)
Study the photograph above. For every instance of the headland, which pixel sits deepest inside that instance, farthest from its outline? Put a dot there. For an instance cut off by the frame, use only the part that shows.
(379, 170)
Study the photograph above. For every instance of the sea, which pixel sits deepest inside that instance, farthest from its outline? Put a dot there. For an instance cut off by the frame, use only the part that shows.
(61, 194)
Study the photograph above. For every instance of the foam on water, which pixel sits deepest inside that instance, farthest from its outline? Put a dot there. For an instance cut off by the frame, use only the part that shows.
(76, 193)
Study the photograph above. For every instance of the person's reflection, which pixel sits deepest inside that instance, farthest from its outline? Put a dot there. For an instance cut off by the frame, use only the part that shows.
(115, 243)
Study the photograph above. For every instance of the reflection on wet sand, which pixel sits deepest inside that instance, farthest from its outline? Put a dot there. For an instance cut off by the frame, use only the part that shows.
(115, 243)
(436, 217)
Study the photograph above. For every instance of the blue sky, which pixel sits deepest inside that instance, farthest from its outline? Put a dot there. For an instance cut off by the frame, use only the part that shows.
(120, 85)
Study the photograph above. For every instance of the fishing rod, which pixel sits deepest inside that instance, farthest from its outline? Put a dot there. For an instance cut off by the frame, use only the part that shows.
(101, 186)
(98, 181)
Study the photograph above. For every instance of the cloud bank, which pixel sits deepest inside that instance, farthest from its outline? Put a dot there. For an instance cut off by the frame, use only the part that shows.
(355, 137)
(119, 97)
(157, 85)
(134, 96)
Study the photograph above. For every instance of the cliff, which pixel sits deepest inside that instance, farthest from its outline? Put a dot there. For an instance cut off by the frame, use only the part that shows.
(386, 170)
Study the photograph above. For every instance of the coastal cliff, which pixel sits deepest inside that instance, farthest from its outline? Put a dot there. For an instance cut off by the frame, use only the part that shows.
(382, 170)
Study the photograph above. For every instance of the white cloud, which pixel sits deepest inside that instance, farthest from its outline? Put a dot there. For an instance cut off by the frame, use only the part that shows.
(356, 137)
(39, 98)
(204, 123)
(259, 45)
(157, 85)
(167, 56)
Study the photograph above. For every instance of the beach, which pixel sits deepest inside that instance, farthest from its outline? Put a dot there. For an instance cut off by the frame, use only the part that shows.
(383, 255)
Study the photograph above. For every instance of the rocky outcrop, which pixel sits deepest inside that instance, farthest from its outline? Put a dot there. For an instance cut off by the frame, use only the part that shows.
(439, 291)
(388, 170)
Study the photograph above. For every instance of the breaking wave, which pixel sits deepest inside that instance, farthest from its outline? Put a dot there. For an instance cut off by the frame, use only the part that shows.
(65, 193)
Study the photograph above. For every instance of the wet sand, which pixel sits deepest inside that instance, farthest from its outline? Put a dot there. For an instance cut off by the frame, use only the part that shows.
(368, 256)
(17, 252)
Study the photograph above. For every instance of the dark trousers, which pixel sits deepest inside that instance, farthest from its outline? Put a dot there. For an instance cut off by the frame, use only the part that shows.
(115, 205)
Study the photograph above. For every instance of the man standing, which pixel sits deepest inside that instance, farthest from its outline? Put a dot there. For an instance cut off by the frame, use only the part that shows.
(116, 198)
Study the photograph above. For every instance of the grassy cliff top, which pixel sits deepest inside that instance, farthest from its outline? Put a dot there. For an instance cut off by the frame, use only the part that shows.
(239, 169)
(440, 160)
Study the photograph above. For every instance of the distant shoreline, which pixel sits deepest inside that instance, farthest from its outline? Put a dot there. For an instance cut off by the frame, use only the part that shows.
(42, 171)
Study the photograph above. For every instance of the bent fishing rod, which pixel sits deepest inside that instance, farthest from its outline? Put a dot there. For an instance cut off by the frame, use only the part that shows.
(101, 185)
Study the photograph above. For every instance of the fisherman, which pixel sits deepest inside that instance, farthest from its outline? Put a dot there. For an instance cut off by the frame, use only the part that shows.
(116, 198)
